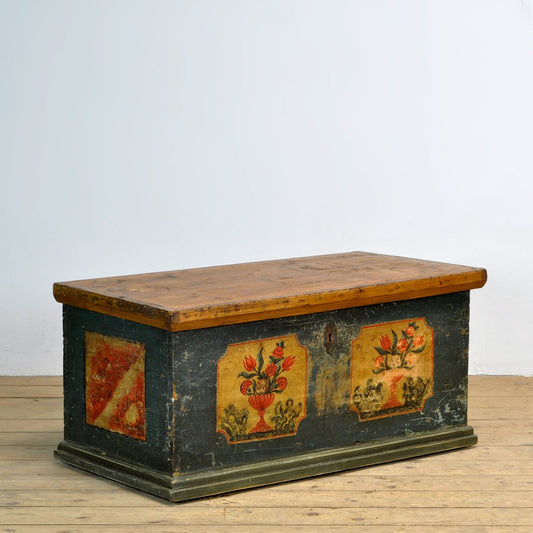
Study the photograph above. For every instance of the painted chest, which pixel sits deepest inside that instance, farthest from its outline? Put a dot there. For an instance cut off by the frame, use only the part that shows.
(197, 382)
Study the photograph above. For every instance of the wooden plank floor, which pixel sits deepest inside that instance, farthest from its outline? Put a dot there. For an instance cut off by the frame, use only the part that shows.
(486, 488)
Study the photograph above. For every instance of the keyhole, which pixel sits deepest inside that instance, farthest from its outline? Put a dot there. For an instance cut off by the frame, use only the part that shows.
(330, 337)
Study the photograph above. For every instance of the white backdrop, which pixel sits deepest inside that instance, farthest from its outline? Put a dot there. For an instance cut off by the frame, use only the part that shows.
(139, 136)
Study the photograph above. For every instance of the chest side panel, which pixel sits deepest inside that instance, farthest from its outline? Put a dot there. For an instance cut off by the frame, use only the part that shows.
(118, 390)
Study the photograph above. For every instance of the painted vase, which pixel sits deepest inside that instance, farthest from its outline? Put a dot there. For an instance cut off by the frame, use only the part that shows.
(392, 378)
(260, 402)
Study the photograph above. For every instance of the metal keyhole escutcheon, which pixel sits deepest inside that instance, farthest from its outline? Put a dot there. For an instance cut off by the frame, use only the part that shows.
(330, 337)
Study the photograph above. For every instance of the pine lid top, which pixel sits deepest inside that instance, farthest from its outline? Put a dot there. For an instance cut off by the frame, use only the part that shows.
(212, 296)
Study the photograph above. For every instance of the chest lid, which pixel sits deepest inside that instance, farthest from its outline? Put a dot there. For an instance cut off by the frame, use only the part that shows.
(205, 297)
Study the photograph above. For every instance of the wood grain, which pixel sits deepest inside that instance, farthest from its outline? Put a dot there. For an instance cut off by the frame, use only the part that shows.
(288, 499)
(205, 297)
(258, 528)
(451, 469)
(31, 381)
(36, 391)
(31, 408)
(271, 515)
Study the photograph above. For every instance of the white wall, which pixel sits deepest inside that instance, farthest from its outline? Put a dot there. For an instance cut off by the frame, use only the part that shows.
(139, 136)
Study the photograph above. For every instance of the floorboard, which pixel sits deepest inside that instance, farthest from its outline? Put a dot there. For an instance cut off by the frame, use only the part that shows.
(485, 488)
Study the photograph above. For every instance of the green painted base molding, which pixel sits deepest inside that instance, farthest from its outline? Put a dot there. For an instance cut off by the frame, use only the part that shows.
(218, 481)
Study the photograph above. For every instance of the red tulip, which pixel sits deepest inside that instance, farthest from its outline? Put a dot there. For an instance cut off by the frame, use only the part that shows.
(418, 341)
(271, 369)
(402, 345)
(410, 331)
(249, 363)
(385, 342)
(245, 385)
(287, 363)
(278, 352)
(282, 383)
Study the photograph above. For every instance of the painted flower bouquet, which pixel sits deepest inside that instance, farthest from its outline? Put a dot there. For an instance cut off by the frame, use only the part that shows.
(397, 353)
(263, 379)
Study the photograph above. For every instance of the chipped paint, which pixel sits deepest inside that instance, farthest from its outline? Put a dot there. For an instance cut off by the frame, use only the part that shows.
(332, 384)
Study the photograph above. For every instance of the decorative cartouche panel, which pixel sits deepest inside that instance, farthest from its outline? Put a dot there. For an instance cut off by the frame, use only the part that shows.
(115, 384)
(261, 389)
(392, 368)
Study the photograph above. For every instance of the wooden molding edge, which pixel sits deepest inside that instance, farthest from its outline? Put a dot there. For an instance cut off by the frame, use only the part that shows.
(186, 487)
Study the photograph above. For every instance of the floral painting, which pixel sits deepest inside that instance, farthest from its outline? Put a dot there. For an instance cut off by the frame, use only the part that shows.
(114, 385)
(392, 368)
(261, 389)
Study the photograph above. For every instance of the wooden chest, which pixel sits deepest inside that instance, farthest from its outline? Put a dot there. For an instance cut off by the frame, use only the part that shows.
(196, 382)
